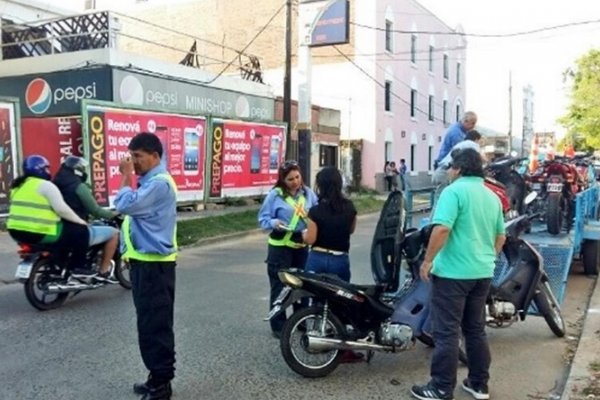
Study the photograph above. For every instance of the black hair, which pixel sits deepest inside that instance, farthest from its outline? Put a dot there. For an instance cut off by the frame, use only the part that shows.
(18, 181)
(147, 142)
(329, 189)
(468, 161)
(473, 135)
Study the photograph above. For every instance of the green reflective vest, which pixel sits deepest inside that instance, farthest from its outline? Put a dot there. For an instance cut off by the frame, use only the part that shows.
(286, 239)
(30, 211)
(131, 252)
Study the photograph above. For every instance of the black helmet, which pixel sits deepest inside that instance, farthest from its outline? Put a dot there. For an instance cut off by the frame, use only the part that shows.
(78, 165)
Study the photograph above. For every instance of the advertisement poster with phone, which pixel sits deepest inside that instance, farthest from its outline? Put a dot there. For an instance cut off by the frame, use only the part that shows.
(109, 130)
(8, 170)
(244, 157)
(54, 138)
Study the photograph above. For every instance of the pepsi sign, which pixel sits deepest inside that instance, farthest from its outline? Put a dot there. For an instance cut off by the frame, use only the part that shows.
(58, 93)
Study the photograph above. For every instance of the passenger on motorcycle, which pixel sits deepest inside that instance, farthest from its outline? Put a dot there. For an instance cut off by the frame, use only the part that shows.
(38, 213)
(70, 180)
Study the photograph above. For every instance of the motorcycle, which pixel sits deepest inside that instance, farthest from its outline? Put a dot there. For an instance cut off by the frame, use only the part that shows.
(503, 171)
(522, 281)
(47, 281)
(344, 316)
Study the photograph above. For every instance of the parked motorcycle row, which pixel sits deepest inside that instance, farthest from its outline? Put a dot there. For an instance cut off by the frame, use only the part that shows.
(47, 281)
(555, 182)
(389, 317)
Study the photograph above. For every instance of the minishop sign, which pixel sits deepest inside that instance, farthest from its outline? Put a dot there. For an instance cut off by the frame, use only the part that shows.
(137, 89)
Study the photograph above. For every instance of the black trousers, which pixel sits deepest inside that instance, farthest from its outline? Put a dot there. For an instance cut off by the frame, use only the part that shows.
(280, 257)
(153, 289)
(456, 304)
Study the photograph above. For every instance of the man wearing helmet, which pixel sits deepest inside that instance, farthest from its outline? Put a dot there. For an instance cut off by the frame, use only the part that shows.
(70, 180)
(39, 214)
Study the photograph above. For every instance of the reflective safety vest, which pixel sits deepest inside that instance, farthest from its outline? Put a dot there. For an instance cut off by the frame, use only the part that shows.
(297, 205)
(131, 252)
(30, 211)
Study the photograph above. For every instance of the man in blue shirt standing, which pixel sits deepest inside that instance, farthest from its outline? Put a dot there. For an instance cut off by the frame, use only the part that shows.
(148, 242)
(456, 133)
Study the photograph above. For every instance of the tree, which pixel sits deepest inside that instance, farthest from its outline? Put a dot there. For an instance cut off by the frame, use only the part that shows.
(582, 119)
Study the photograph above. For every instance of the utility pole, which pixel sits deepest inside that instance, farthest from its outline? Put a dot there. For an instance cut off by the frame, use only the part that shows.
(287, 82)
(509, 111)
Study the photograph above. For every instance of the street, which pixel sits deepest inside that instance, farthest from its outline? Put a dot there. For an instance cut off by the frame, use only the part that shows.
(88, 348)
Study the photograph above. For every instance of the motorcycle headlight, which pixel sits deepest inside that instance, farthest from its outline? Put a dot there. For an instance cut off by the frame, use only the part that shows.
(289, 279)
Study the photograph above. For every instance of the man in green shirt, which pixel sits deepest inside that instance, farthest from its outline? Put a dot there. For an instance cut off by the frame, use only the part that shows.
(467, 236)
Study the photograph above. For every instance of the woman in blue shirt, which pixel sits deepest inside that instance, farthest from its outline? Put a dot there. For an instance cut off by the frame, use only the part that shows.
(283, 213)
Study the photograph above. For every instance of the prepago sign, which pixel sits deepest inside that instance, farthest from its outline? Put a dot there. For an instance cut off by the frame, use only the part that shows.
(169, 95)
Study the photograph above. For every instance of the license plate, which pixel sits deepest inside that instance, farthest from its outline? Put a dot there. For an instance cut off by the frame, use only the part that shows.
(555, 187)
(24, 270)
(536, 186)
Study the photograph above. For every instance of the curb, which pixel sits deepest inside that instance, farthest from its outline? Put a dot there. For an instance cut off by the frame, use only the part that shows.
(579, 373)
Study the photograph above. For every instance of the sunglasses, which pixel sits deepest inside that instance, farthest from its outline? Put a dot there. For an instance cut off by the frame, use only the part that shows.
(289, 164)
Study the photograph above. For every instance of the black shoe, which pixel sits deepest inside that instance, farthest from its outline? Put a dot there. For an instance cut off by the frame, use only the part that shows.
(161, 392)
(143, 388)
(430, 392)
(276, 334)
(82, 273)
(479, 392)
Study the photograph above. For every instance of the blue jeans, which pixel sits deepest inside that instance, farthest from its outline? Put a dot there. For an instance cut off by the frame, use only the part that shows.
(324, 263)
(456, 304)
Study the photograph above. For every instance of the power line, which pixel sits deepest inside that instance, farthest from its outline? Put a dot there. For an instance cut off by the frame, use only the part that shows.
(483, 35)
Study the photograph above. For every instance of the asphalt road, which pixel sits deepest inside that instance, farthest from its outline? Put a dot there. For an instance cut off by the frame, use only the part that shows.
(88, 350)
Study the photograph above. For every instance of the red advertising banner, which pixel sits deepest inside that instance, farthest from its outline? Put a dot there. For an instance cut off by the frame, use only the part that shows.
(53, 138)
(7, 151)
(244, 157)
(109, 131)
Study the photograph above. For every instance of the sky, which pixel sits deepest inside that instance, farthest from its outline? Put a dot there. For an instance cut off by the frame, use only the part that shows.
(538, 60)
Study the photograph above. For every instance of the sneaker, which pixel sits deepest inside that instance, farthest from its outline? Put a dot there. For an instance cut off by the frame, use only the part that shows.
(108, 276)
(430, 392)
(479, 392)
(81, 273)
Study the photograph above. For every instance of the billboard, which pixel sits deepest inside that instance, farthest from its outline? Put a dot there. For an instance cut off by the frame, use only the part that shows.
(9, 116)
(141, 90)
(243, 157)
(58, 93)
(332, 25)
(109, 129)
(54, 138)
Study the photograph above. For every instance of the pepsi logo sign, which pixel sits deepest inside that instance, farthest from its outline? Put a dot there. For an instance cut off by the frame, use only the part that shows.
(38, 96)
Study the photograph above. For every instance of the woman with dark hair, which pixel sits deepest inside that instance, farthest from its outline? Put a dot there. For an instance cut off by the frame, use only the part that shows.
(283, 213)
(330, 225)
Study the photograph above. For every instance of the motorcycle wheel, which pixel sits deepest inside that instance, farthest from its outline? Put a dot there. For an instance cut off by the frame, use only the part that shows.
(43, 272)
(122, 270)
(554, 213)
(294, 342)
(547, 305)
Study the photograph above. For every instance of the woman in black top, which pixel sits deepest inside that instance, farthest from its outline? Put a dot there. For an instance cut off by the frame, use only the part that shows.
(330, 225)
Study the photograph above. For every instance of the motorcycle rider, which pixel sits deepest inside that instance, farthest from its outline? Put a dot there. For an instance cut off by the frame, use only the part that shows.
(38, 213)
(70, 180)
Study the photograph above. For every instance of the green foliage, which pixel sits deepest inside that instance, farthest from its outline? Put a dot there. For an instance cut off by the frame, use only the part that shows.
(582, 119)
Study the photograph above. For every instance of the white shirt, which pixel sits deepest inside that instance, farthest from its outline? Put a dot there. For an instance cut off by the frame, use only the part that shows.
(465, 144)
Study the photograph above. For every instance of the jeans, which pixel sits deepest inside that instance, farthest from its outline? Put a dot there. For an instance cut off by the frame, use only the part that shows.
(323, 263)
(280, 257)
(456, 304)
(153, 289)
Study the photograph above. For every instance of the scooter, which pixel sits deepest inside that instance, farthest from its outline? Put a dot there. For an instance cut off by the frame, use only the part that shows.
(47, 281)
(344, 316)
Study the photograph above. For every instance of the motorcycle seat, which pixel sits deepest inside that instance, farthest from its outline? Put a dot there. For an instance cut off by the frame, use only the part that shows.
(371, 290)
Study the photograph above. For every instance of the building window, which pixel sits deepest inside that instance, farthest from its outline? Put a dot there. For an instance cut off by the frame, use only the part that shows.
(431, 58)
(446, 72)
(388, 151)
(389, 27)
(458, 73)
(458, 112)
(413, 147)
(388, 96)
(430, 158)
(445, 112)
(327, 156)
(413, 49)
(413, 102)
(430, 103)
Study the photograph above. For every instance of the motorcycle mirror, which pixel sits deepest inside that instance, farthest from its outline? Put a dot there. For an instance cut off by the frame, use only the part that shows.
(514, 153)
(530, 197)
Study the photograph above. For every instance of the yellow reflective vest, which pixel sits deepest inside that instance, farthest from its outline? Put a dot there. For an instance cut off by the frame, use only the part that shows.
(286, 239)
(30, 211)
(131, 252)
